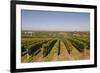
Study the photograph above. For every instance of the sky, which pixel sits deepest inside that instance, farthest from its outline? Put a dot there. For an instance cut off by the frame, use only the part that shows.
(35, 20)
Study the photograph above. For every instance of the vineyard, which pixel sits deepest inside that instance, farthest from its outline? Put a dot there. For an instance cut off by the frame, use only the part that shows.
(54, 46)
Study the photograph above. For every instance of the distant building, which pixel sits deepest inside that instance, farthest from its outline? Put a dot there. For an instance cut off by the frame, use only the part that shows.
(29, 33)
(76, 34)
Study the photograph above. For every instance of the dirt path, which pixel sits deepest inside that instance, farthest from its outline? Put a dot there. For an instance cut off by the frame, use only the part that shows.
(75, 53)
(85, 55)
(64, 55)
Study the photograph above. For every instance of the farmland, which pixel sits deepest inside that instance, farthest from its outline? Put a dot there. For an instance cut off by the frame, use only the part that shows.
(44, 46)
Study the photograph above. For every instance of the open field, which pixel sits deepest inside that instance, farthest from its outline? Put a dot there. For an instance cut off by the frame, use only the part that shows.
(54, 46)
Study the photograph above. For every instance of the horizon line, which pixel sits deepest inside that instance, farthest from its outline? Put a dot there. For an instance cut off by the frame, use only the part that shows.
(55, 31)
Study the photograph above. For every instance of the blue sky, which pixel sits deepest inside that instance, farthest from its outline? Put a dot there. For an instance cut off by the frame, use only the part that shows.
(54, 21)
